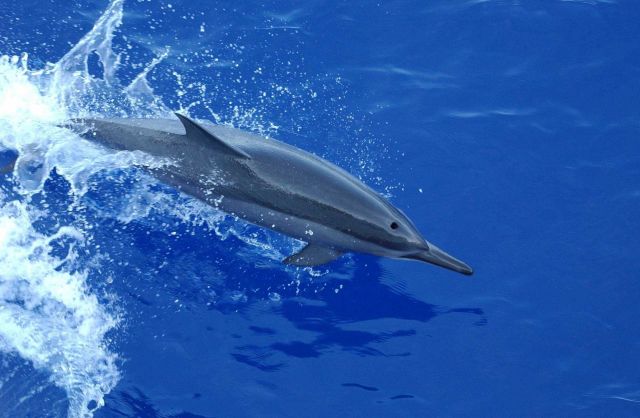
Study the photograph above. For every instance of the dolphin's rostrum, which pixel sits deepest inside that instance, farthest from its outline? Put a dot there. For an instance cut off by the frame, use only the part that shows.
(275, 185)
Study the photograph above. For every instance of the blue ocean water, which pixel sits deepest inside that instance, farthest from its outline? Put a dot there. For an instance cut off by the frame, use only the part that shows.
(507, 130)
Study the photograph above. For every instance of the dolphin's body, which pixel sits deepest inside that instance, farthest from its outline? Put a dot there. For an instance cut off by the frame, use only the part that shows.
(275, 185)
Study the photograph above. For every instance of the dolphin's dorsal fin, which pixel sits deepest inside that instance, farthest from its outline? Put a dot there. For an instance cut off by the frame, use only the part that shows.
(313, 255)
(197, 133)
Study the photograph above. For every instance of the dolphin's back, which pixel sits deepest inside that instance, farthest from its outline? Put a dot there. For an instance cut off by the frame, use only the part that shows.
(284, 168)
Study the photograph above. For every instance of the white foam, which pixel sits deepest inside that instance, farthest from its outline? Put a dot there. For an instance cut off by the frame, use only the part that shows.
(48, 315)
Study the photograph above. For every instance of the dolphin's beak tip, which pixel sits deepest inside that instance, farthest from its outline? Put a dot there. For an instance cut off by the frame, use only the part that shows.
(438, 257)
(461, 268)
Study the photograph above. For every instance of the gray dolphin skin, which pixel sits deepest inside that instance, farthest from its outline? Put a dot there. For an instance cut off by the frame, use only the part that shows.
(274, 185)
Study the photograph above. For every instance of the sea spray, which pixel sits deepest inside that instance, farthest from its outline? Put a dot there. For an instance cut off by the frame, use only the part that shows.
(49, 316)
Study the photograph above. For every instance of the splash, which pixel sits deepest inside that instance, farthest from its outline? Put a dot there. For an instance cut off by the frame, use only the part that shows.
(70, 84)
(49, 315)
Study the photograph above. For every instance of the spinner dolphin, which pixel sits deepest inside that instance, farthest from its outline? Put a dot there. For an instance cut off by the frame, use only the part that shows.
(274, 185)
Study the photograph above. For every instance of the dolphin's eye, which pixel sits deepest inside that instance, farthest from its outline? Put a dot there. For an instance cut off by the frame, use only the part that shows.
(394, 225)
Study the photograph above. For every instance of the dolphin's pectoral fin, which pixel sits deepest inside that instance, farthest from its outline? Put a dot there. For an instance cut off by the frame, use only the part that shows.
(196, 132)
(313, 255)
